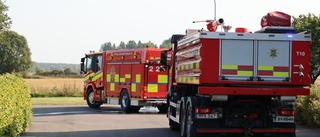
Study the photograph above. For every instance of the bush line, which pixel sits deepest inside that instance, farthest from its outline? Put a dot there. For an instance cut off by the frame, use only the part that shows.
(15, 105)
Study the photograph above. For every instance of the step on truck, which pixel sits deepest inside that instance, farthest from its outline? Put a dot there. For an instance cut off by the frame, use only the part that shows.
(130, 78)
(237, 83)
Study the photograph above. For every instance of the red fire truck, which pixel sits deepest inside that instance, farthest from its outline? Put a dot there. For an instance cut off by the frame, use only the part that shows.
(226, 83)
(131, 78)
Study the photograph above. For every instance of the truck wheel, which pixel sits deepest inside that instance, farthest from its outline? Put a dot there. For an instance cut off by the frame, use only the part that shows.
(90, 101)
(190, 130)
(183, 119)
(173, 125)
(125, 101)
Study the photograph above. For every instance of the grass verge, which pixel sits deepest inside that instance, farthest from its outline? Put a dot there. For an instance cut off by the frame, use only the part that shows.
(58, 101)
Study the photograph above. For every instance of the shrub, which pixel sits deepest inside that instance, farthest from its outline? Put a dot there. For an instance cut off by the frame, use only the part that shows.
(15, 105)
(308, 108)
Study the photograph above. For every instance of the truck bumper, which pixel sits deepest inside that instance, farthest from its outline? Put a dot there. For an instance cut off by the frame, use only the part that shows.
(254, 130)
(149, 102)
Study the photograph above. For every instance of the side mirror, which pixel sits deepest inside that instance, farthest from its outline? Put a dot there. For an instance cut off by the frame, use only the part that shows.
(82, 66)
(163, 59)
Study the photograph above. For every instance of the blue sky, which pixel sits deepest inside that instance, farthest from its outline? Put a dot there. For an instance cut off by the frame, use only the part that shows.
(62, 31)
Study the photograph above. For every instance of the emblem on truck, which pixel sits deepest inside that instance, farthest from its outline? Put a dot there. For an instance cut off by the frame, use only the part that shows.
(273, 53)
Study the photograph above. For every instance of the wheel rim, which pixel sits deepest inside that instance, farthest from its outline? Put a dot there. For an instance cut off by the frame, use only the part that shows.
(90, 98)
(124, 100)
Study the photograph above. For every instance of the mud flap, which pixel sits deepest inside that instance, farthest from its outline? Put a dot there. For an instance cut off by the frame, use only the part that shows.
(247, 125)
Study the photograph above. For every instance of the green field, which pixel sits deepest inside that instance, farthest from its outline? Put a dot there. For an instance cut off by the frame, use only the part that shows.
(58, 101)
(56, 87)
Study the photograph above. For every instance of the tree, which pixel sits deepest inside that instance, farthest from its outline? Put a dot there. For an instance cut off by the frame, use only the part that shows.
(106, 46)
(149, 45)
(311, 24)
(114, 46)
(15, 54)
(166, 44)
(131, 44)
(67, 71)
(122, 45)
(5, 20)
(139, 45)
(40, 72)
(56, 72)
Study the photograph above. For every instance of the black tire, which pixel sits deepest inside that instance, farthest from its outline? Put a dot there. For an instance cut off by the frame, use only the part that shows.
(183, 119)
(190, 130)
(90, 102)
(173, 125)
(125, 101)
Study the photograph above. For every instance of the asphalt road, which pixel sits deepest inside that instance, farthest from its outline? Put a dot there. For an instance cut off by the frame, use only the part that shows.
(108, 121)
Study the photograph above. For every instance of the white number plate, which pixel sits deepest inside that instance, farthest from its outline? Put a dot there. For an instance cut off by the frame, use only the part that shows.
(206, 116)
(283, 119)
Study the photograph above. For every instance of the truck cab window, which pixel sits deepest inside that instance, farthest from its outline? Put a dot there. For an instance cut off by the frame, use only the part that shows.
(99, 62)
(88, 64)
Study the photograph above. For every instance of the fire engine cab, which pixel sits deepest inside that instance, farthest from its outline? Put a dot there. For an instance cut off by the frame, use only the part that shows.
(131, 78)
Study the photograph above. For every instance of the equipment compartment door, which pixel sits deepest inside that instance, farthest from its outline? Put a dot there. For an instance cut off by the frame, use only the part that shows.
(112, 80)
(136, 80)
(157, 83)
(236, 59)
(273, 60)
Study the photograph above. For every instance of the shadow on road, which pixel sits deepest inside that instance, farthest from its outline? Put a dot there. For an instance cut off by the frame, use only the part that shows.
(146, 132)
(40, 111)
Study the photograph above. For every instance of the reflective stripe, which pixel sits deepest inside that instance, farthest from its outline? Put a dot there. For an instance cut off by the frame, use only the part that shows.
(116, 78)
(112, 85)
(133, 87)
(122, 79)
(97, 76)
(265, 68)
(188, 79)
(138, 78)
(184, 79)
(108, 78)
(245, 73)
(230, 67)
(127, 76)
(189, 66)
(192, 66)
(197, 65)
(281, 74)
(88, 76)
(162, 78)
(152, 87)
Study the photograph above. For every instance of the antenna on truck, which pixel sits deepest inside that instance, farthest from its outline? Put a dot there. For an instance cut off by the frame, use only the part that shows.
(215, 10)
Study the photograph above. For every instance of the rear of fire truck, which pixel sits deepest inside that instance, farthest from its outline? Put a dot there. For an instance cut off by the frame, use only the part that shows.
(233, 83)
